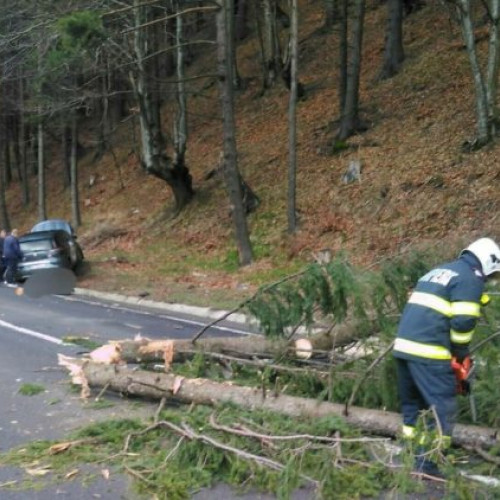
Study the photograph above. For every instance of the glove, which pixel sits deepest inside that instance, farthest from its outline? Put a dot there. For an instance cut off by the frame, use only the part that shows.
(462, 372)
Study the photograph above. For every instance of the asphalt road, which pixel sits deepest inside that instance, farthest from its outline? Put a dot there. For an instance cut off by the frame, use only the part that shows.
(31, 336)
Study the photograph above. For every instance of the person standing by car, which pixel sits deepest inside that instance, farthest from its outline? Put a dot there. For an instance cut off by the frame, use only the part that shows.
(3, 234)
(12, 254)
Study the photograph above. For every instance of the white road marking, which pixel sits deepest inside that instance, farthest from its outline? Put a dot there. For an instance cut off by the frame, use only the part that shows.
(31, 333)
(159, 314)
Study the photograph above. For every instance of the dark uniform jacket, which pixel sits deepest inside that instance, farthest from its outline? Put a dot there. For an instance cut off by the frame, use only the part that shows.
(12, 249)
(441, 314)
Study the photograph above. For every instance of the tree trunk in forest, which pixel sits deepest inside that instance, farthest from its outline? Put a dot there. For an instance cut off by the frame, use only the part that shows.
(394, 51)
(331, 13)
(250, 200)
(181, 129)
(493, 67)
(42, 211)
(4, 213)
(6, 152)
(23, 144)
(350, 122)
(271, 49)
(225, 49)
(202, 391)
(153, 152)
(292, 122)
(15, 141)
(240, 22)
(75, 199)
(485, 96)
(343, 52)
(66, 152)
(102, 105)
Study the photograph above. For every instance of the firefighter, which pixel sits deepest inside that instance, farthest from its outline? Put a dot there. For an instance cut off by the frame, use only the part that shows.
(437, 326)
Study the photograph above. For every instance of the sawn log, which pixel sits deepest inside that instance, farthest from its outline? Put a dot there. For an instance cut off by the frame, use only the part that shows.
(149, 384)
(146, 350)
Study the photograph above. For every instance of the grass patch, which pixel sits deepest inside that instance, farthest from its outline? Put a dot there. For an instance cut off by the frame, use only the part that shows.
(101, 404)
(85, 342)
(31, 389)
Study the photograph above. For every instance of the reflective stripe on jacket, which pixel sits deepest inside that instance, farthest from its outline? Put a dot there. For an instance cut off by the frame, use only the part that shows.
(440, 317)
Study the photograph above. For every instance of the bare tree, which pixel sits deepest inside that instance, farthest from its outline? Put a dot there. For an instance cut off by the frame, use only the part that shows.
(4, 213)
(75, 198)
(270, 47)
(154, 155)
(181, 129)
(292, 120)
(225, 47)
(350, 121)
(485, 80)
(394, 51)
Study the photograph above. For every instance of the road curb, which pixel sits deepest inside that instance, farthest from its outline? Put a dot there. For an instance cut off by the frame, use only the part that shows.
(202, 312)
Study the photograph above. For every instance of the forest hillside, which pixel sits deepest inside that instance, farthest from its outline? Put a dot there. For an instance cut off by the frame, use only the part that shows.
(417, 188)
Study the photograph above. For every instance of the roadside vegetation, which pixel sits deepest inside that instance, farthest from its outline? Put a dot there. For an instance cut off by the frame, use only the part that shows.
(31, 389)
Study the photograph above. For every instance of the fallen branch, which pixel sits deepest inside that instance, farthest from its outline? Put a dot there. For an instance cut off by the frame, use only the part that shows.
(292, 437)
(187, 432)
(202, 391)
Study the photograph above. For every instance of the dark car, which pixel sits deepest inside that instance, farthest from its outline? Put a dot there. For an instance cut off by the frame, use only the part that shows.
(44, 250)
(76, 252)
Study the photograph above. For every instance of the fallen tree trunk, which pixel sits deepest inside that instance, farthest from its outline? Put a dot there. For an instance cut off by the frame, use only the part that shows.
(147, 350)
(202, 391)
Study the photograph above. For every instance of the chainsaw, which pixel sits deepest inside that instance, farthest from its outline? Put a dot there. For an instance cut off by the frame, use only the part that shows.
(463, 374)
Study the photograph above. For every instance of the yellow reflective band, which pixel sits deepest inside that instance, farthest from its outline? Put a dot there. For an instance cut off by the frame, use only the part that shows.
(465, 309)
(422, 350)
(408, 431)
(461, 337)
(432, 301)
(485, 299)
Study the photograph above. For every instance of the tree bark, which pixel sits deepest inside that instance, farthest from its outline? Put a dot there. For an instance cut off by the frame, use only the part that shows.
(493, 66)
(465, 17)
(181, 130)
(272, 62)
(350, 113)
(331, 13)
(394, 51)
(23, 139)
(4, 213)
(75, 201)
(42, 210)
(202, 391)
(292, 122)
(66, 152)
(225, 49)
(343, 52)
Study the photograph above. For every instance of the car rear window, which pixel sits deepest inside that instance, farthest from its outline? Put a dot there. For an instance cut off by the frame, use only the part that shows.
(36, 245)
(51, 226)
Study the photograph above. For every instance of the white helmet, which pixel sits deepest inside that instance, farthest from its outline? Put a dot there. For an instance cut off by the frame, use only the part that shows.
(488, 254)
